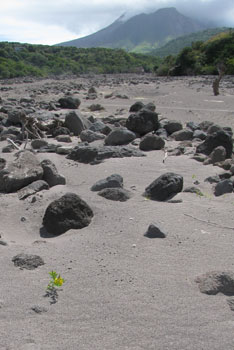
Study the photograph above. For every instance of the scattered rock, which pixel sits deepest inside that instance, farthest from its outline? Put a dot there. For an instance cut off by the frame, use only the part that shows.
(194, 189)
(96, 107)
(137, 106)
(217, 155)
(26, 261)
(75, 122)
(119, 136)
(101, 127)
(20, 173)
(164, 187)
(222, 187)
(173, 126)
(69, 102)
(230, 302)
(39, 309)
(115, 194)
(67, 212)
(216, 282)
(64, 138)
(151, 142)
(199, 134)
(143, 122)
(51, 175)
(91, 136)
(32, 188)
(91, 154)
(112, 181)
(155, 231)
(60, 130)
(39, 143)
(219, 138)
(182, 135)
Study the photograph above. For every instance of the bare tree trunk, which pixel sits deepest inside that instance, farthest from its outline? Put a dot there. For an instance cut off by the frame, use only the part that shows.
(215, 85)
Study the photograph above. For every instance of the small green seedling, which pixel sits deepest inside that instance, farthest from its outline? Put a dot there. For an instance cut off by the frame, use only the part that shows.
(56, 280)
(51, 290)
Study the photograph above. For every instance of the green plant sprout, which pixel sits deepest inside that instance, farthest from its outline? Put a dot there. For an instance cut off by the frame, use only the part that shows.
(51, 290)
(56, 280)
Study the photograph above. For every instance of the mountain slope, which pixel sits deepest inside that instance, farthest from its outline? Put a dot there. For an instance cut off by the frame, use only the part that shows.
(141, 33)
(174, 46)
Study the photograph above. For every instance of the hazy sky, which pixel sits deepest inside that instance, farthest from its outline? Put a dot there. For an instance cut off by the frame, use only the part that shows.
(54, 21)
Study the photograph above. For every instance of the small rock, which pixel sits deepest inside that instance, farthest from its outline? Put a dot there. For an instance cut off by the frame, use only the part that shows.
(26, 261)
(195, 190)
(225, 186)
(216, 282)
(69, 102)
(112, 181)
(115, 194)
(51, 175)
(155, 232)
(39, 309)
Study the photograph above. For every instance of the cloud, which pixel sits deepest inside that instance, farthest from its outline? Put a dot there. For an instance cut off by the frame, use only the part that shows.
(53, 21)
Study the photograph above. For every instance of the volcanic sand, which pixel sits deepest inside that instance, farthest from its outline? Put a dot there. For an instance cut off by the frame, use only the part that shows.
(122, 290)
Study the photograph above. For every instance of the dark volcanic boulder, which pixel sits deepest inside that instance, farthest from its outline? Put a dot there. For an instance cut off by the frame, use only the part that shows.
(75, 122)
(143, 122)
(69, 102)
(112, 181)
(222, 187)
(137, 106)
(20, 173)
(164, 187)
(219, 138)
(84, 153)
(91, 154)
(65, 213)
(120, 136)
(151, 142)
(183, 135)
(173, 126)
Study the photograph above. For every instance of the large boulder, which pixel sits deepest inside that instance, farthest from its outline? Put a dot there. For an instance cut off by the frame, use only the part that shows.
(151, 142)
(21, 172)
(143, 122)
(219, 138)
(164, 187)
(51, 175)
(75, 122)
(120, 136)
(67, 212)
(69, 102)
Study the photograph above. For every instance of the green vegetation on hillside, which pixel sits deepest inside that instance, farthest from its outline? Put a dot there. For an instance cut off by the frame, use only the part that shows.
(174, 47)
(17, 60)
(202, 57)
